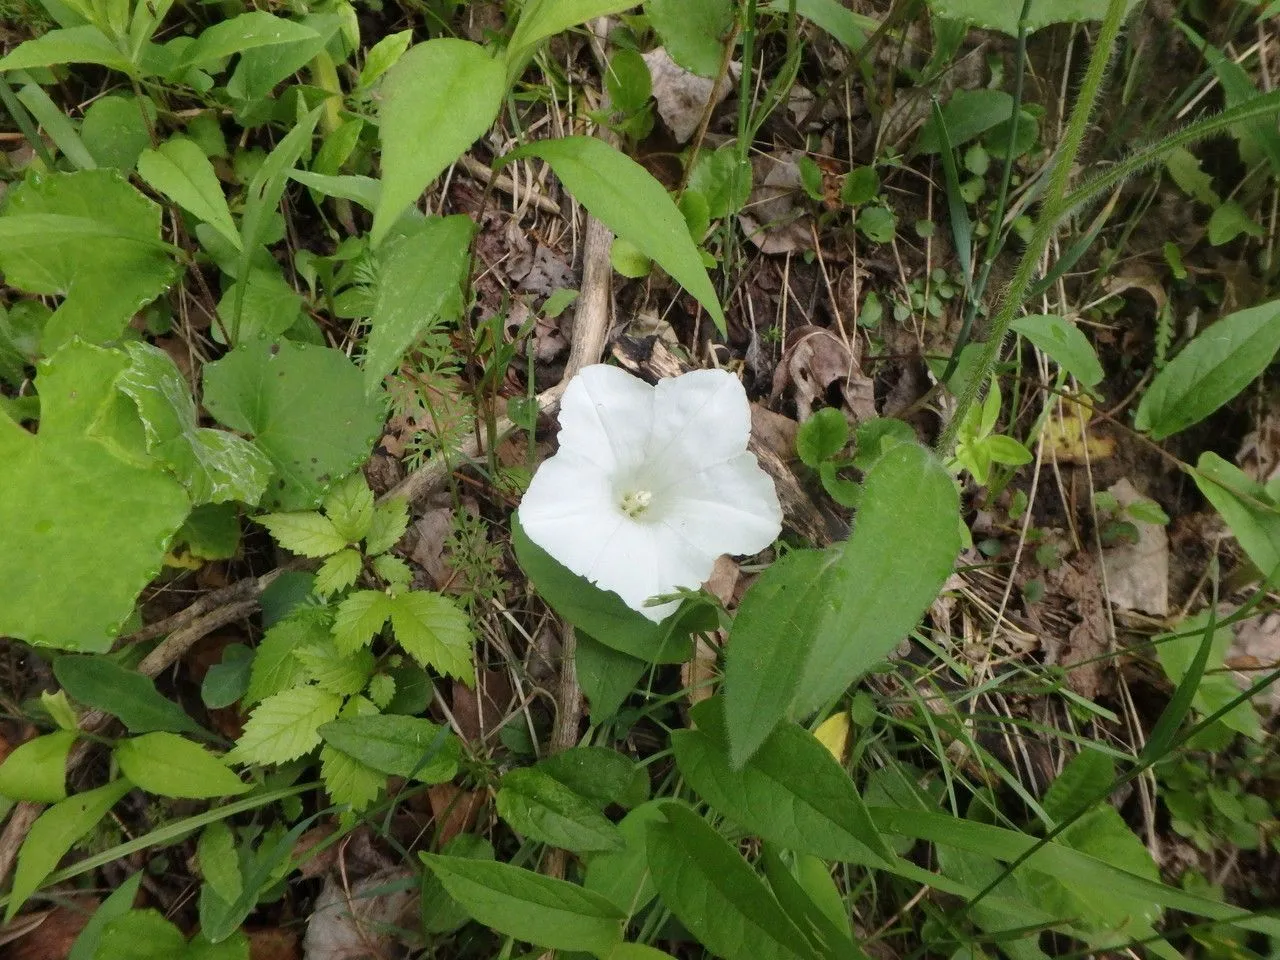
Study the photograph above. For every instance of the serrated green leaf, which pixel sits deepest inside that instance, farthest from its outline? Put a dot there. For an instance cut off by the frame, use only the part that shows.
(311, 436)
(528, 906)
(434, 631)
(393, 570)
(791, 792)
(37, 770)
(542, 808)
(169, 766)
(71, 505)
(1063, 342)
(1210, 370)
(382, 690)
(420, 279)
(721, 901)
(349, 506)
(349, 781)
(438, 99)
(817, 621)
(409, 747)
(179, 170)
(822, 436)
(102, 683)
(54, 833)
(305, 533)
(626, 198)
(338, 572)
(274, 666)
(285, 726)
(331, 670)
(107, 264)
(219, 862)
(390, 521)
(359, 618)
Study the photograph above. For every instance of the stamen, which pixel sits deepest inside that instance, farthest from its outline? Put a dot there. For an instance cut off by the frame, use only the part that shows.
(635, 503)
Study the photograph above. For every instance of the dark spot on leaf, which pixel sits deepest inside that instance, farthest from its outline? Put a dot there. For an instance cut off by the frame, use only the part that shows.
(274, 349)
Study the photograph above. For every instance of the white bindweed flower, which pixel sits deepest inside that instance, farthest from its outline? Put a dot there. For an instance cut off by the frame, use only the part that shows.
(651, 484)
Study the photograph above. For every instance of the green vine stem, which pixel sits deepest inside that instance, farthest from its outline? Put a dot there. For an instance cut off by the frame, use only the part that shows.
(1050, 214)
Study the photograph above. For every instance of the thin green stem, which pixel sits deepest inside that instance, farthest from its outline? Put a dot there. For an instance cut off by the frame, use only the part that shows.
(1050, 214)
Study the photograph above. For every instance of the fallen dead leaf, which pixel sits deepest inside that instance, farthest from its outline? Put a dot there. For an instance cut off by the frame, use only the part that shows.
(1067, 436)
(273, 943)
(372, 919)
(814, 359)
(455, 810)
(682, 97)
(1083, 654)
(700, 674)
(1255, 650)
(776, 218)
(47, 935)
(1259, 454)
(480, 710)
(1138, 573)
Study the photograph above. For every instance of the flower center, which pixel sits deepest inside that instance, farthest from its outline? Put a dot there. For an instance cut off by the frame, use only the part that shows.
(635, 503)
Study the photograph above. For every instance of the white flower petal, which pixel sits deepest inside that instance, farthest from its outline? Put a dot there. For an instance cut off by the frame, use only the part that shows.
(699, 419)
(643, 560)
(606, 416)
(729, 507)
(568, 510)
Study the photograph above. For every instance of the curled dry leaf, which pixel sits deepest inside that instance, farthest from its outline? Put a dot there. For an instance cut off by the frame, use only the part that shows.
(274, 943)
(1069, 438)
(1138, 573)
(682, 97)
(777, 218)
(815, 358)
(455, 810)
(1259, 454)
(47, 935)
(1254, 651)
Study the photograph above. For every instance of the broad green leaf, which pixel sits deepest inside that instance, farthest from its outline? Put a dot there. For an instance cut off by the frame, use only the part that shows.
(311, 436)
(816, 622)
(82, 44)
(349, 781)
(440, 912)
(600, 774)
(409, 747)
(219, 862)
(53, 835)
(263, 307)
(57, 125)
(1252, 515)
(540, 19)
(102, 683)
(791, 792)
(116, 905)
(215, 466)
(170, 766)
(434, 631)
(285, 726)
(599, 613)
(71, 505)
(91, 238)
(1085, 780)
(181, 171)
(260, 68)
(1229, 221)
(304, 532)
(142, 935)
(244, 32)
(37, 770)
(420, 281)
(528, 906)
(541, 808)
(274, 666)
(836, 19)
(605, 675)
(1071, 866)
(622, 876)
(693, 34)
(626, 198)
(438, 99)
(1210, 370)
(349, 505)
(332, 670)
(1064, 344)
(1176, 653)
(1003, 16)
(966, 116)
(383, 55)
(715, 894)
(810, 897)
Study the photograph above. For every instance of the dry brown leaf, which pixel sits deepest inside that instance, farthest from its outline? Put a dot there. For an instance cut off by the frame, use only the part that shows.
(1087, 643)
(1259, 454)
(1068, 438)
(1138, 573)
(365, 921)
(682, 96)
(273, 943)
(1255, 650)
(455, 810)
(47, 935)
(777, 218)
(480, 711)
(814, 359)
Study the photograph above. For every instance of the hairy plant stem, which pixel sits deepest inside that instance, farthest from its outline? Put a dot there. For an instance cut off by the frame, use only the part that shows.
(1050, 214)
